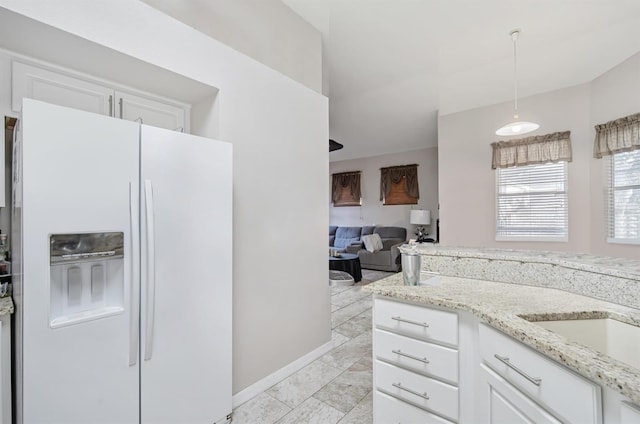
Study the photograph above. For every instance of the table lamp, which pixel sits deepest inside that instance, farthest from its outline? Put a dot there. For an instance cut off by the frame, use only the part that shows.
(420, 217)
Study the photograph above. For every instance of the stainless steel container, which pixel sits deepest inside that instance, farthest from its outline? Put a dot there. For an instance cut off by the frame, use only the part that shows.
(411, 268)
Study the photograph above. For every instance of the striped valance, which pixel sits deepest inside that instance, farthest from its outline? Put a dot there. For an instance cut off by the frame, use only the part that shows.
(619, 135)
(555, 147)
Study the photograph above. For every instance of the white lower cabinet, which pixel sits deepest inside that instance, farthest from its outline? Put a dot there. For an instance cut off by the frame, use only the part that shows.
(433, 365)
(565, 394)
(502, 403)
(415, 369)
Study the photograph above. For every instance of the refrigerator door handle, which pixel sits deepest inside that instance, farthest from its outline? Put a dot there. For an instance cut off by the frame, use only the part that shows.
(151, 271)
(134, 310)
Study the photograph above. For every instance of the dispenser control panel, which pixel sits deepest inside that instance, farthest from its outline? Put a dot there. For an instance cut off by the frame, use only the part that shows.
(87, 276)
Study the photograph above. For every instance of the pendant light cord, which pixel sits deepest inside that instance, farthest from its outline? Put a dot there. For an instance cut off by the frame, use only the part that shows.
(514, 36)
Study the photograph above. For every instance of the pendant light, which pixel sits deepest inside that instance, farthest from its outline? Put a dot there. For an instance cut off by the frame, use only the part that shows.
(517, 127)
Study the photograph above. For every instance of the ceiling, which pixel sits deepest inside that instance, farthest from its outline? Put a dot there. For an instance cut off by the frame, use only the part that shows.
(390, 66)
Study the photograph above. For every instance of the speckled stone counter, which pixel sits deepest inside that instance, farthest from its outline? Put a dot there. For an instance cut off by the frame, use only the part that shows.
(614, 280)
(6, 305)
(502, 305)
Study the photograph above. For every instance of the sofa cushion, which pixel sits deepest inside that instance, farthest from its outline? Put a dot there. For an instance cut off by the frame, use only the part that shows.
(372, 242)
(391, 232)
(388, 243)
(341, 243)
(332, 230)
(367, 229)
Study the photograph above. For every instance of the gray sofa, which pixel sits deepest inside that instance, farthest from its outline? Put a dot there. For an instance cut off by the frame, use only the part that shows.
(349, 240)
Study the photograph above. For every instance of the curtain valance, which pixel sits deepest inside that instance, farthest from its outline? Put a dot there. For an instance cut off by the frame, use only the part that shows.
(394, 174)
(342, 181)
(554, 147)
(619, 135)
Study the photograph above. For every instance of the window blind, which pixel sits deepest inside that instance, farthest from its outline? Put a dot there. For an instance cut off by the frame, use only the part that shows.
(532, 202)
(624, 197)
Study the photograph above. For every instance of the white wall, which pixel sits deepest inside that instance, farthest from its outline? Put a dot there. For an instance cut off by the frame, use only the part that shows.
(278, 128)
(266, 30)
(372, 211)
(614, 94)
(467, 182)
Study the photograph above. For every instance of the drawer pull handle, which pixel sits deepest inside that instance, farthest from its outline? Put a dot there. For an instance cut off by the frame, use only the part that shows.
(505, 360)
(406, 355)
(421, 324)
(413, 392)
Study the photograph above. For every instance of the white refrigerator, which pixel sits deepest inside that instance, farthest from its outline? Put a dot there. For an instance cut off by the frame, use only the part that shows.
(122, 258)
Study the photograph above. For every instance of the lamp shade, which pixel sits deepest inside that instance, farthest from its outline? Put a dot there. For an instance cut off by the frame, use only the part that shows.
(420, 217)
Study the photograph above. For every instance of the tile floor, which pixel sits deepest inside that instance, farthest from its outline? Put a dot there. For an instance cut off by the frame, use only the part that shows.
(336, 388)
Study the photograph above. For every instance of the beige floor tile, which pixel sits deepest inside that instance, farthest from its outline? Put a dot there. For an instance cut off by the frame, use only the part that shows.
(355, 326)
(362, 413)
(295, 389)
(349, 353)
(342, 315)
(348, 297)
(348, 389)
(338, 339)
(262, 409)
(312, 411)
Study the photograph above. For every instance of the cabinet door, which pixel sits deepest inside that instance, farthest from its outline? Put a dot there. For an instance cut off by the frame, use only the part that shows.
(41, 84)
(504, 404)
(151, 111)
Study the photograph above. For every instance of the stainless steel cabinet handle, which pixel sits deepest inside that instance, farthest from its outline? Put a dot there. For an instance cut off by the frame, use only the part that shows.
(413, 392)
(421, 324)
(406, 355)
(120, 103)
(110, 105)
(505, 360)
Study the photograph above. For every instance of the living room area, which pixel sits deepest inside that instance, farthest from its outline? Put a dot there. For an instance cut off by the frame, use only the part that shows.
(377, 211)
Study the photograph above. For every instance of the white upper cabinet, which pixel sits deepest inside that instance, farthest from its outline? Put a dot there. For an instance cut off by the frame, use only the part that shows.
(52, 87)
(64, 88)
(157, 114)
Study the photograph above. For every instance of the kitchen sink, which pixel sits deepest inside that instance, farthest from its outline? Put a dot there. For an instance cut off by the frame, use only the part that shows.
(611, 337)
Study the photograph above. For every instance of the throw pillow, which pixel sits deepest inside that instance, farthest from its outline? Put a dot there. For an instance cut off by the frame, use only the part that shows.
(372, 242)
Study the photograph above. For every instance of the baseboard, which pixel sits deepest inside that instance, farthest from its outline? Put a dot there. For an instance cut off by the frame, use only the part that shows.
(284, 372)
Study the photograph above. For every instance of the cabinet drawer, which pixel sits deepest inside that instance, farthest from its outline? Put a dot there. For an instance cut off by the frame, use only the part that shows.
(416, 355)
(570, 396)
(387, 409)
(417, 321)
(426, 392)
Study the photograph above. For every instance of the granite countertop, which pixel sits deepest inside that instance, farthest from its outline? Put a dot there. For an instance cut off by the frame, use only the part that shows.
(6, 305)
(619, 267)
(503, 306)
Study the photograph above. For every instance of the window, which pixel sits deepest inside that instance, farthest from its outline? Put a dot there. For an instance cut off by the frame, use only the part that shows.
(532, 202)
(398, 195)
(399, 185)
(624, 197)
(345, 189)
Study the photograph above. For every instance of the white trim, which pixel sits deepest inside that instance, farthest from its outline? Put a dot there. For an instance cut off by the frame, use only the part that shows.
(560, 239)
(622, 241)
(284, 372)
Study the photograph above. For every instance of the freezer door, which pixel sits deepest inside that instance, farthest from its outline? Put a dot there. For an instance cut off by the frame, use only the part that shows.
(186, 277)
(76, 348)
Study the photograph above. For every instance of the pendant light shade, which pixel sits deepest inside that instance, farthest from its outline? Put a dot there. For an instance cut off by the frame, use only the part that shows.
(517, 127)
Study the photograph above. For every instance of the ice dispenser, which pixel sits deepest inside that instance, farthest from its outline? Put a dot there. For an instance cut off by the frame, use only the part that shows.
(87, 277)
